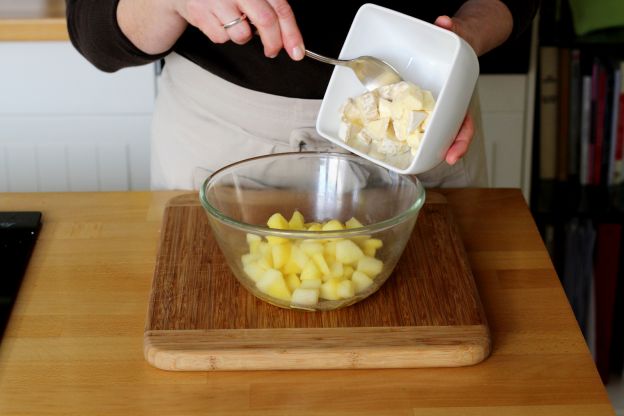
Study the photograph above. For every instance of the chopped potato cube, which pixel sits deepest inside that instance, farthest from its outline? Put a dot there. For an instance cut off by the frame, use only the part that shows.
(314, 226)
(333, 225)
(305, 296)
(347, 272)
(274, 240)
(292, 281)
(281, 254)
(320, 262)
(346, 289)
(253, 238)
(273, 284)
(329, 290)
(370, 246)
(278, 222)
(311, 284)
(329, 250)
(310, 271)
(347, 252)
(254, 242)
(254, 271)
(249, 258)
(297, 221)
(353, 223)
(291, 266)
(369, 266)
(336, 269)
(360, 281)
(310, 247)
(299, 256)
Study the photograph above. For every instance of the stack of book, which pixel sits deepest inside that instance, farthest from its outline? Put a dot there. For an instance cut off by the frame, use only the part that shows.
(577, 191)
(581, 131)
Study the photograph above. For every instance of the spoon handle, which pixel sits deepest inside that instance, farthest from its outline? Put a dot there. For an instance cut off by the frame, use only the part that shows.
(325, 59)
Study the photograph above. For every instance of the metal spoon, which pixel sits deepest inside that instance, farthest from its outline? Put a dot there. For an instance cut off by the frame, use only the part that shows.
(372, 72)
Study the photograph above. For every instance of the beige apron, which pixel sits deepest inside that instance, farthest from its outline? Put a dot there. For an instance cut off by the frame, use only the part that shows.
(202, 123)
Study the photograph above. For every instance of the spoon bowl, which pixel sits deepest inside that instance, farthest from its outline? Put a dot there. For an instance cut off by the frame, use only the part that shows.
(372, 72)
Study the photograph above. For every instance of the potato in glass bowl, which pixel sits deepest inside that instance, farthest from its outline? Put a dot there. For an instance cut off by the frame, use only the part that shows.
(312, 231)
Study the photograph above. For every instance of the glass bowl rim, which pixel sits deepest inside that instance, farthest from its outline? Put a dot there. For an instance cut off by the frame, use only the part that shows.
(304, 234)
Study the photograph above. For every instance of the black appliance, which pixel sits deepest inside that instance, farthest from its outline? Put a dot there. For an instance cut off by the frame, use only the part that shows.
(18, 234)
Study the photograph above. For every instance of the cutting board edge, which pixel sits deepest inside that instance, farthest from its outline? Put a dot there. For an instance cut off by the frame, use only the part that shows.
(299, 349)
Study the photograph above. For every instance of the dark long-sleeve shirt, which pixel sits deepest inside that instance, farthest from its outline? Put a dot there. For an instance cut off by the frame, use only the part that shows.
(324, 25)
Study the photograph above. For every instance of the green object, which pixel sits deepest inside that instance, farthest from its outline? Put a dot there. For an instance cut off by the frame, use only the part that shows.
(591, 15)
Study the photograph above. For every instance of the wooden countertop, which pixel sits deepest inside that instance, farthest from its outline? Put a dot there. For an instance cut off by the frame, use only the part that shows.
(32, 20)
(74, 342)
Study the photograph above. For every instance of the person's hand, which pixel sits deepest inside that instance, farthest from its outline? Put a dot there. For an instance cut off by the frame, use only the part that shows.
(274, 20)
(462, 141)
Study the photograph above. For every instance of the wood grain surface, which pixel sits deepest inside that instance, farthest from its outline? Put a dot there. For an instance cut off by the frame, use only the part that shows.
(74, 344)
(427, 314)
(33, 20)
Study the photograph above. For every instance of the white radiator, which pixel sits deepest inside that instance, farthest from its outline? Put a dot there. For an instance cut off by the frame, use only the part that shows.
(56, 154)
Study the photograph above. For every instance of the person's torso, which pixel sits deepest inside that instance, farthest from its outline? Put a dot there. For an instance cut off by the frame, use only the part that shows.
(324, 26)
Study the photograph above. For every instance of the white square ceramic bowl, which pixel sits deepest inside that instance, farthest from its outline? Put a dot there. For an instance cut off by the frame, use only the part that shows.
(433, 58)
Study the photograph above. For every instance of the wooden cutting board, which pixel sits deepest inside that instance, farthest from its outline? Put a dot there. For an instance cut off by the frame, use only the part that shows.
(427, 314)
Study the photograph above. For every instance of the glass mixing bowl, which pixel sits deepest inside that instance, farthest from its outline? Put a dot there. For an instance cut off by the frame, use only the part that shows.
(312, 231)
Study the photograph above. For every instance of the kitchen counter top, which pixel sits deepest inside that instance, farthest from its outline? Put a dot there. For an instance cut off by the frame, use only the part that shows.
(33, 20)
(74, 342)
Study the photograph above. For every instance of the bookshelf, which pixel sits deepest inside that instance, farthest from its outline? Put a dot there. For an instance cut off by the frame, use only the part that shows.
(577, 186)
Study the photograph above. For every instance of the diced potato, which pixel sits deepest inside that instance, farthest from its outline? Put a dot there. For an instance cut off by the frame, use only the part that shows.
(305, 296)
(273, 240)
(360, 281)
(329, 250)
(254, 271)
(346, 289)
(353, 223)
(265, 262)
(253, 241)
(281, 254)
(329, 290)
(310, 271)
(314, 226)
(332, 225)
(310, 247)
(320, 262)
(347, 272)
(370, 246)
(299, 256)
(291, 266)
(251, 238)
(311, 284)
(336, 269)
(264, 249)
(292, 281)
(272, 283)
(369, 266)
(347, 252)
(278, 222)
(304, 271)
(249, 258)
(297, 221)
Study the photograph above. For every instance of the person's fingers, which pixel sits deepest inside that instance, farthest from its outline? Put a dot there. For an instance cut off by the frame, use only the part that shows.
(291, 36)
(462, 141)
(265, 19)
(445, 22)
(200, 15)
(228, 12)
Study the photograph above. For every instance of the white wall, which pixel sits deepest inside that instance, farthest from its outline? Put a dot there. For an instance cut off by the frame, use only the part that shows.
(66, 126)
